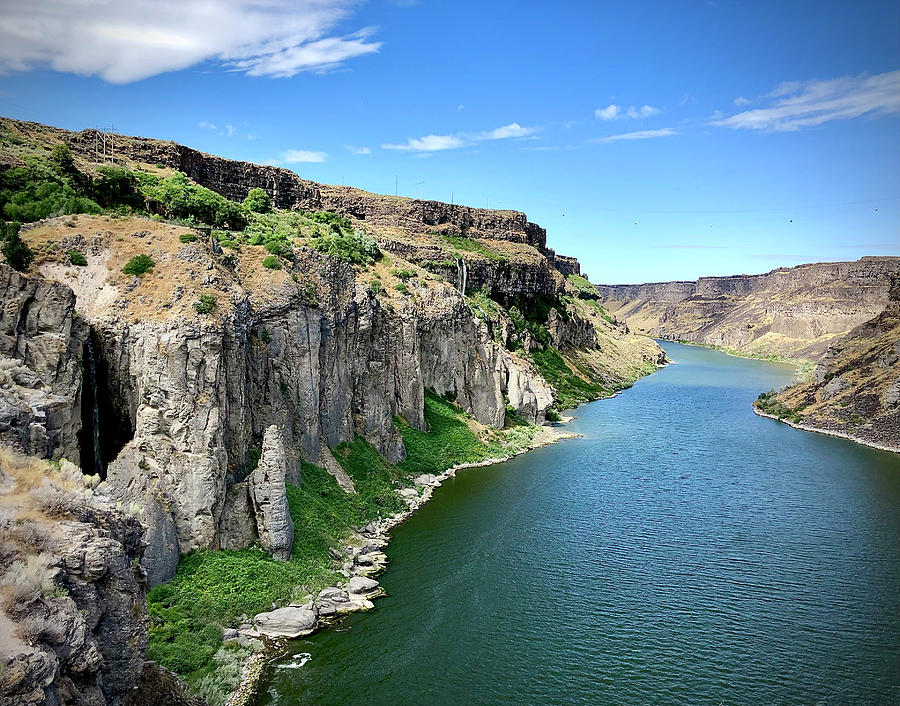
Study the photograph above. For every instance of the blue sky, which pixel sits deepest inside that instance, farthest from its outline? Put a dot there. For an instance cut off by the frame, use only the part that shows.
(654, 140)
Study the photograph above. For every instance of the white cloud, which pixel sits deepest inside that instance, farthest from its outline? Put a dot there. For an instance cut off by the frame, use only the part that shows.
(639, 135)
(296, 156)
(615, 112)
(645, 111)
(437, 143)
(740, 101)
(429, 143)
(128, 41)
(511, 130)
(810, 103)
(610, 112)
(226, 131)
(358, 150)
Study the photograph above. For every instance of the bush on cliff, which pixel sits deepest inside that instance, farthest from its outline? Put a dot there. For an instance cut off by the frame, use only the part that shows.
(41, 189)
(176, 196)
(354, 246)
(17, 253)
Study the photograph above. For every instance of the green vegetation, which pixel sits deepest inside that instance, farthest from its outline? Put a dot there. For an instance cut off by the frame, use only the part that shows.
(404, 274)
(138, 265)
(349, 245)
(17, 253)
(571, 389)
(461, 245)
(271, 262)
(265, 336)
(44, 188)
(77, 258)
(449, 440)
(583, 285)
(206, 304)
(482, 306)
(187, 238)
(402, 288)
(768, 403)
(376, 287)
(258, 201)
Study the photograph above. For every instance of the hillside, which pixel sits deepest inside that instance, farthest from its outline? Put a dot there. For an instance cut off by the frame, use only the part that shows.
(855, 389)
(791, 312)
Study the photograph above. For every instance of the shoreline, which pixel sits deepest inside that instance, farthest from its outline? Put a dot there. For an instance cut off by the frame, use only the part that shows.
(829, 432)
(376, 533)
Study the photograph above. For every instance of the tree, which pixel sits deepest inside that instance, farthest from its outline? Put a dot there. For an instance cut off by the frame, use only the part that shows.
(258, 201)
(61, 157)
(15, 250)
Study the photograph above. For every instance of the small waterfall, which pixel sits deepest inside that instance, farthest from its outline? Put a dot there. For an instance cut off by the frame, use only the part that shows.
(461, 275)
(91, 375)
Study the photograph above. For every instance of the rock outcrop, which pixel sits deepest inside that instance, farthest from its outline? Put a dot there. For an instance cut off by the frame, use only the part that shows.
(41, 343)
(793, 312)
(274, 526)
(75, 624)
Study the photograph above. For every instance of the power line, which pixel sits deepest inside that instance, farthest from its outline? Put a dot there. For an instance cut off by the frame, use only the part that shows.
(739, 210)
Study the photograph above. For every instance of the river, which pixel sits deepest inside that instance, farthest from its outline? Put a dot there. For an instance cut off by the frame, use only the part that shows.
(683, 551)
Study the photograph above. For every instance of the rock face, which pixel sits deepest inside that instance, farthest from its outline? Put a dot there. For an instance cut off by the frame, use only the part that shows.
(794, 312)
(268, 495)
(290, 622)
(78, 635)
(855, 390)
(41, 342)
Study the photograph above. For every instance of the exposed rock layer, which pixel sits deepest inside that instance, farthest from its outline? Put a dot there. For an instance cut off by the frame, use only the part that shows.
(793, 312)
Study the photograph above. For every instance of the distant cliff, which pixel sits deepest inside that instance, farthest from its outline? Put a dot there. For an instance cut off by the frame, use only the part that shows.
(855, 389)
(793, 312)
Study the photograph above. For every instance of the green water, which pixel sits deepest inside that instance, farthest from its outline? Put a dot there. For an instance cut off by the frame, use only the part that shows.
(684, 551)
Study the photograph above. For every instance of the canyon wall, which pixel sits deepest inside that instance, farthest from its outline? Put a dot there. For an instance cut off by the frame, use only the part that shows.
(793, 312)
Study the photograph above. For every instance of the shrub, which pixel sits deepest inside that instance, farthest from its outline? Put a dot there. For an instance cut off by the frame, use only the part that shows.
(258, 201)
(17, 253)
(77, 258)
(118, 187)
(403, 274)
(138, 265)
(206, 304)
(265, 336)
(402, 288)
(61, 158)
(552, 415)
(177, 197)
(354, 246)
(272, 263)
(187, 238)
(26, 581)
(376, 287)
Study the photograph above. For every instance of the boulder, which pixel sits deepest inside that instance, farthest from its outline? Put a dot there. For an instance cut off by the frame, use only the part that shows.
(290, 622)
(361, 586)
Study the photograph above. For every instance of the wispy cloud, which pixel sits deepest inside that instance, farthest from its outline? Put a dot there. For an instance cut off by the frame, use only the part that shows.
(358, 150)
(226, 131)
(438, 143)
(795, 105)
(298, 156)
(128, 41)
(616, 112)
(638, 135)
(740, 101)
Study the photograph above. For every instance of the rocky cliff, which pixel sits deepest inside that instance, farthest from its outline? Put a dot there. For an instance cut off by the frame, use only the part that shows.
(791, 312)
(196, 385)
(855, 388)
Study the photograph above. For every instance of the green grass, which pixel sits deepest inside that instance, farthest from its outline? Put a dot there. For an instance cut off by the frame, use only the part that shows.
(583, 285)
(571, 389)
(464, 245)
(449, 440)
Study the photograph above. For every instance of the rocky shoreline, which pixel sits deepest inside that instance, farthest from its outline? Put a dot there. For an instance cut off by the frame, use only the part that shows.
(366, 559)
(829, 432)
